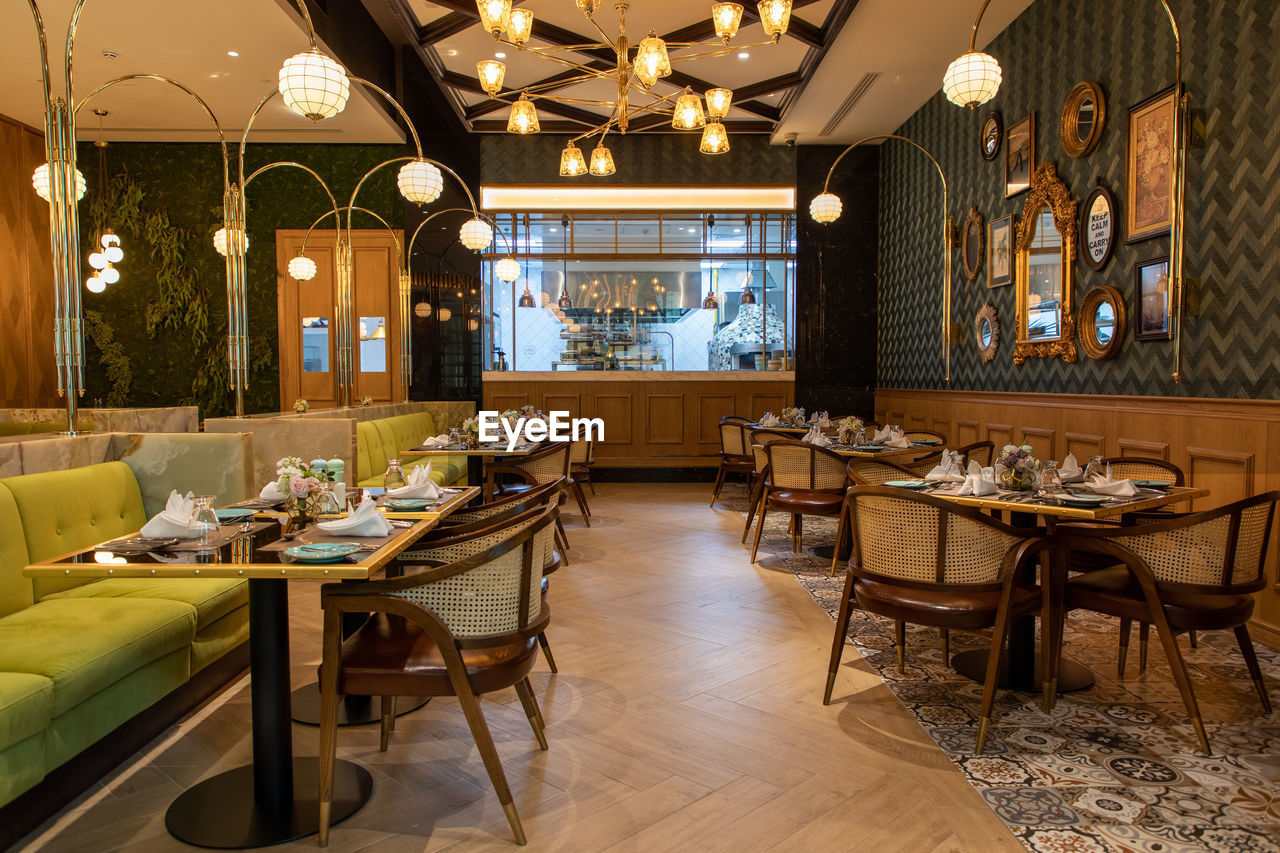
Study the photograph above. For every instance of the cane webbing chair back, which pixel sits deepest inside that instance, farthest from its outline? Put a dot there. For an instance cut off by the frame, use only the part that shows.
(545, 466)
(733, 438)
(1138, 468)
(799, 465)
(580, 451)
(924, 434)
(901, 537)
(869, 472)
(503, 506)
(979, 451)
(923, 465)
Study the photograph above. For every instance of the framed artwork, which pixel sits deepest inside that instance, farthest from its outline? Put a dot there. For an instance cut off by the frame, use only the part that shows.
(1149, 170)
(1000, 251)
(1019, 156)
(992, 131)
(1097, 227)
(1152, 300)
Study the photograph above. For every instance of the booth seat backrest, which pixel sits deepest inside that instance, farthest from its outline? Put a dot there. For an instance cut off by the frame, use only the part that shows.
(15, 590)
(387, 438)
(370, 458)
(217, 464)
(64, 510)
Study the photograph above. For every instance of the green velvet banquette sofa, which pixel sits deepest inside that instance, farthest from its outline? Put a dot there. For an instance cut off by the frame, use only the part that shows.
(79, 659)
(387, 438)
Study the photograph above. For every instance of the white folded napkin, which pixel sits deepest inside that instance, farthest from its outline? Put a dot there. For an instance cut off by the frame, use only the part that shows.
(174, 520)
(440, 440)
(899, 440)
(420, 485)
(948, 469)
(978, 486)
(271, 492)
(1117, 488)
(821, 419)
(816, 438)
(1069, 470)
(770, 420)
(974, 467)
(364, 521)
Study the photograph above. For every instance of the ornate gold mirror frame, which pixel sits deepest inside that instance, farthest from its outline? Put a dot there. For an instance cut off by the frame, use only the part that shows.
(1046, 191)
(986, 321)
(1090, 342)
(973, 230)
(1072, 141)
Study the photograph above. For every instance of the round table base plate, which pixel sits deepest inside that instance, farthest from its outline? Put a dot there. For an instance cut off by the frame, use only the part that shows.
(352, 710)
(220, 812)
(973, 665)
(826, 552)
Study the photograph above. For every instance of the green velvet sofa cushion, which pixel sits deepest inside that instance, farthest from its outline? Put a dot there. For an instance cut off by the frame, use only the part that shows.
(212, 598)
(15, 588)
(21, 766)
(26, 706)
(387, 438)
(75, 508)
(86, 645)
(219, 638)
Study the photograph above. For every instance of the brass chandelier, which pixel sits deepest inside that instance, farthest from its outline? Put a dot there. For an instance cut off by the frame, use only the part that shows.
(637, 69)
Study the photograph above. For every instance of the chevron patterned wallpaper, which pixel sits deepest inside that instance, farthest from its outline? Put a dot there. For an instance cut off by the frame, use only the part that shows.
(1231, 337)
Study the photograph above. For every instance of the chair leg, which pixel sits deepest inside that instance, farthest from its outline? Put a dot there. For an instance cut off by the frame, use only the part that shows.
(715, 492)
(797, 540)
(837, 645)
(492, 763)
(835, 554)
(1126, 626)
(531, 711)
(764, 509)
(582, 504)
(590, 483)
(328, 718)
(546, 651)
(1251, 660)
(1191, 637)
(1170, 642)
(900, 640)
(946, 645)
(388, 714)
(756, 495)
(1144, 630)
(999, 634)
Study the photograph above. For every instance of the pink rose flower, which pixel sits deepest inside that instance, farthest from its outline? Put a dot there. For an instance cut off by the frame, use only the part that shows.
(298, 486)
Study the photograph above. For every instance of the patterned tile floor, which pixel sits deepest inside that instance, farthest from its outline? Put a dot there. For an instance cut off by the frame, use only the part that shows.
(1112, 768)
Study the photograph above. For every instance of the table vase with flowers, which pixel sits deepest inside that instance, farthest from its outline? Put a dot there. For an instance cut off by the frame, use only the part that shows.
(1018, 468)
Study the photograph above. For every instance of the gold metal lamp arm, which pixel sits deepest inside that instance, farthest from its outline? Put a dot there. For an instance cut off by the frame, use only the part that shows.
(973, 36)
(1177, 237)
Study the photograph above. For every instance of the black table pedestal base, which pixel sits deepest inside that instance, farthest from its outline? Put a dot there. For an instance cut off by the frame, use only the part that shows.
(220, 812)
(352, 710)
(973, 665)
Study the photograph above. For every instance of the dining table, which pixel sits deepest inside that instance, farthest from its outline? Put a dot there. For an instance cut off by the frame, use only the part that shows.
(273, 799)
(479, 457)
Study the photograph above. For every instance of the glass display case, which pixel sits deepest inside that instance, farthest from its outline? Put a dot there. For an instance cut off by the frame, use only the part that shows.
(669, 292)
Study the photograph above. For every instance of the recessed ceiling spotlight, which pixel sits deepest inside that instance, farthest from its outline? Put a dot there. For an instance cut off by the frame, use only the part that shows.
(110, 54)
(451, 52)
(233, 53)
(499, 55)
(744, 55)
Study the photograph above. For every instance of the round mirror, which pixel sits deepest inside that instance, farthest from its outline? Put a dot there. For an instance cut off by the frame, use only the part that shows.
(985, 334)
(992, 130)
(1083, 115)
(986, 330)
(1102, 322)
(1086, 114)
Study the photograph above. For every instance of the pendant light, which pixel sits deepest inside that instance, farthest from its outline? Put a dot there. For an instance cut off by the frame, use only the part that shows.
(475, 234)
(715, 139)
(711, 302)
(507, 269)
(526, 299)
(565, 303)
(974, 77)
(491, 73)
(826, 207)
(420, 181)
(571, 162)
(302, 268)
(495, 15)
(688, 114)
(519, 26)
(774, 17)
(718, 101)
(313, 85)
(651, 62)
(726, 17)
(602, 160)
(524, 118)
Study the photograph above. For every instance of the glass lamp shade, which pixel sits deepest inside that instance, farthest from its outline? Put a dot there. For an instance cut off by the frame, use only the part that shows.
(507, 269)
(114, 254)
(652, 62)
(491, 73)
(565, 302)
(420, 181)
(422, 309)
(775, 15)
(571, 162)
(473, 324)
(313, 85)
(688, 113)
(524, 118)
(711, 302)
(240, 241)
(98, 260)
(495, 15)
(973, 79)
(726, 17)
(718, 101)
(94, 283)
(475, 234)
(826, 207)
(302, 268)
(519, 26)
(110, 275)
(444, 315)
(588, 7)
(715, 139)
(602, 161)
(526, 299)
(108, 238)
(40, 180)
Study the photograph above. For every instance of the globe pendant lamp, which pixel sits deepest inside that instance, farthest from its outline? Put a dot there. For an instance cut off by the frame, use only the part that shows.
(313, 85)
(718, 101)
(688, 113)
(715, 139)
(507, 269)
(526, 300)
(95, 283)
(420, 181)
(524, 118)
(302, 268)
(495, 15)
(519, 26)
(826, 207)
(651, 62)
(239, 241)
(571, 162)
(40, 181)
(974, 78)
(475, 234)
(491, 73)
(602, 161)
(726, 17)
(111, 247)
(775, 15)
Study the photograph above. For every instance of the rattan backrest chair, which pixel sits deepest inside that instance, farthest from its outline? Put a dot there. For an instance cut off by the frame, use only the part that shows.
(541, 466)
(734, 440)
(503, 506)
(917, 434)
(800, 465)
(979, 451)
(1141, 468)
(764, 435)
(580, 450)
(456, 543)
(870, 472)
(921, 466)
(742, 419)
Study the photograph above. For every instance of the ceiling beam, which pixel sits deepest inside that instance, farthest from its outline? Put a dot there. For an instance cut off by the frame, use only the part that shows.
(585, 117)
(441, 28)
(547, 84)
(768, 87)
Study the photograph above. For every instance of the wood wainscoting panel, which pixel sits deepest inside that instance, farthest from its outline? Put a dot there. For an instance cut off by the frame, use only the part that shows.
(1144, 449)
(759, 403)
(1082, 445)
(615, 411)
(503, 402)
(999, 434)
(562, 402)
(1044, 441)
(1227, 474)
(711, 408)
(967, 431)
(664, 418)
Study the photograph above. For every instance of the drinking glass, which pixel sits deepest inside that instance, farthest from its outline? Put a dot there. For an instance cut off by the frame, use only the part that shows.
(204, 519)
(327, 501)
(1050, 480)
(394, 478)
(1094, 468)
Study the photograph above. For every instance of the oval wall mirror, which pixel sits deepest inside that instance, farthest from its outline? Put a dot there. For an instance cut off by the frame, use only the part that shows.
(973, 244)
(1102, 322)
(992, 131)
(1083, 115)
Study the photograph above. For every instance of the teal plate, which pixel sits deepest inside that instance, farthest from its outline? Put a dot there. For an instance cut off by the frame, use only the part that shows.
(233, 514)
(928, 442)
(1083, 501)
(907, 484)
(869, 448)
(322, 552)
(409, 503)
(1151, 484)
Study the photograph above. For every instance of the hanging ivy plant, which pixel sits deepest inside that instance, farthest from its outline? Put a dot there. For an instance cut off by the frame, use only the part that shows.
(113, 357)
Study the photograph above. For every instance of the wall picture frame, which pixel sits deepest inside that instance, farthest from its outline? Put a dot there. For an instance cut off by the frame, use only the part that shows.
(1000, 251)
(1149, 167)
(1152, 301)
(1019, 156)
(1098, 217)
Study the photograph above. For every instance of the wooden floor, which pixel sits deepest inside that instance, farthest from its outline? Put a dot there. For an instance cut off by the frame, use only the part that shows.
(687, 715)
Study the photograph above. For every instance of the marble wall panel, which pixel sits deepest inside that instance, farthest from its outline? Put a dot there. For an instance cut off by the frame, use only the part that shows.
(204, 463)
(274, 438)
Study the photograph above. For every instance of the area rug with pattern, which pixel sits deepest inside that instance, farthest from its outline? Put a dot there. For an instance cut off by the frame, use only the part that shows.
(1114, 768)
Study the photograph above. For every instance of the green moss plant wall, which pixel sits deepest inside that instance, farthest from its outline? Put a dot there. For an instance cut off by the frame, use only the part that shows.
(158, 336)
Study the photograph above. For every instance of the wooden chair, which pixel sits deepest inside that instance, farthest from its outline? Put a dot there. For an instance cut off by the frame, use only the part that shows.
(579, 458)
(925, 434)
(1141, 468)
(757, 439)
(872, 472)
(923, 560)
(580, 464)
(981, 452)
(433, 634)
(735, 453)
(803, 479)
(508, 504)
(1197, 571)
(537, 469)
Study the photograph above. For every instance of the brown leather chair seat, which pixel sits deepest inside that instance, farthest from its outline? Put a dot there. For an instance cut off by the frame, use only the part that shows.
(806, 502)
(1115, 592)
(941, 608)
(377, 657)
(739, 464)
